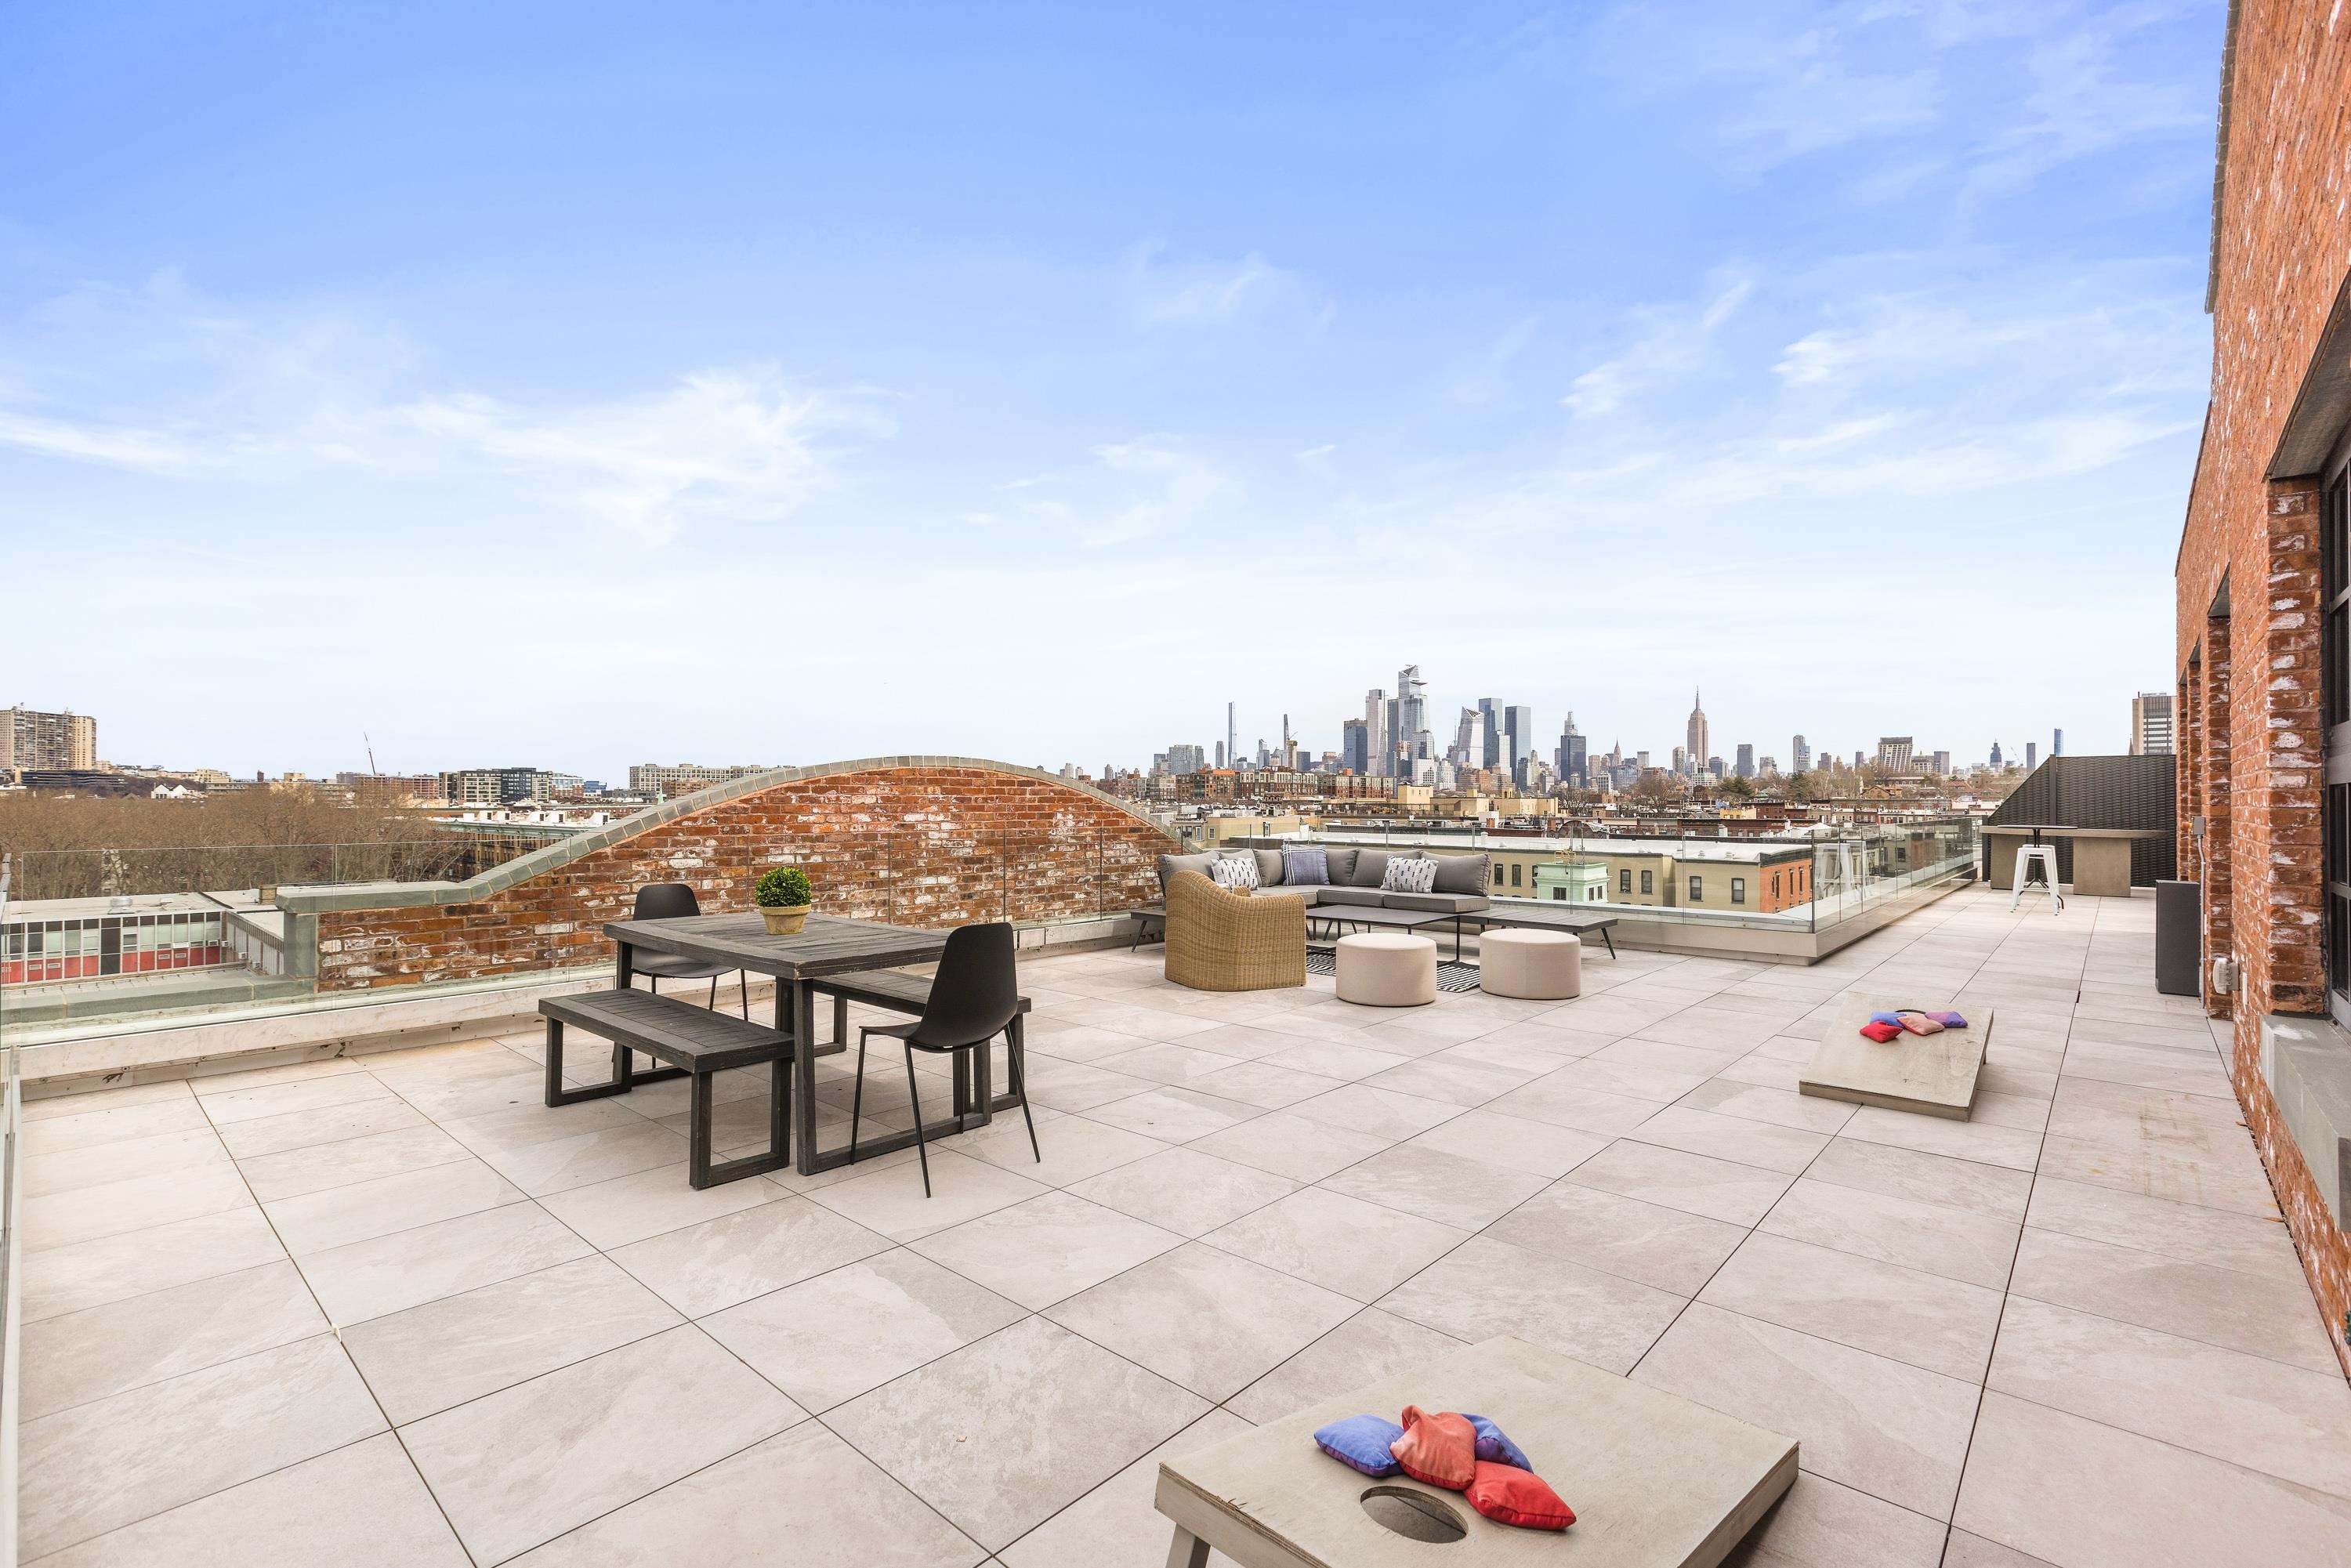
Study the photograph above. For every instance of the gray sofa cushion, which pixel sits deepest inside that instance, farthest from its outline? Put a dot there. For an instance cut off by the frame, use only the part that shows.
(1289, 889)
(1305, 864)
(1367, 897)
(1370, 868)
(1268, 867)
(1462, 874)
(1442, 903)
(1170, 865)
(1341, 859)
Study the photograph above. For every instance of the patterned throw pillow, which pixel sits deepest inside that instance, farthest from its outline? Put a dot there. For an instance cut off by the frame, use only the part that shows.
(1237, 872)
(1309, 867)
(1409, 874)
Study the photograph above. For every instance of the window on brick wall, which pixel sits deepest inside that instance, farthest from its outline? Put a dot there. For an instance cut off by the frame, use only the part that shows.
(2334, 689)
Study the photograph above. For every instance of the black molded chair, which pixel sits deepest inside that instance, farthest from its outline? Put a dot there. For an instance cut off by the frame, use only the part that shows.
(975, 997)
(675, 901)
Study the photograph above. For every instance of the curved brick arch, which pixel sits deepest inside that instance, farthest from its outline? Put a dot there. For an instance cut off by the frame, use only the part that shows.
(918, 840)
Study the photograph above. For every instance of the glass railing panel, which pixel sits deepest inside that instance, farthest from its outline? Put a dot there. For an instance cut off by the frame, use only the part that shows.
(11, 1239)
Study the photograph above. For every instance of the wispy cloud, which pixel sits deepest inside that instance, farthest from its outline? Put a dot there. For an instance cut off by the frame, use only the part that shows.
(1675, 342)
(1779, 83)
(1200, 293)
(213, 395)
(2079, 107)
(1130, 491)
(721, 443)
(1772, 82)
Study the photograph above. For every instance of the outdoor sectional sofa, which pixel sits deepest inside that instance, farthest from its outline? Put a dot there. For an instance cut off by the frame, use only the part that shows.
(1355, 877)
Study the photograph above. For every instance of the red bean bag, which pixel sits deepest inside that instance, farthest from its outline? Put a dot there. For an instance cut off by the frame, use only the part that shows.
(1881, 1032)
(1513, 1496)
(1440, 1448)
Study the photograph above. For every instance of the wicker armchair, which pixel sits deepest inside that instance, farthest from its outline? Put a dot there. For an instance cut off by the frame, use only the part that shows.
(1219, 941)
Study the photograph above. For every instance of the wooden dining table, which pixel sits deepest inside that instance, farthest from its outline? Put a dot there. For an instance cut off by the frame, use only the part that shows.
(829, 945)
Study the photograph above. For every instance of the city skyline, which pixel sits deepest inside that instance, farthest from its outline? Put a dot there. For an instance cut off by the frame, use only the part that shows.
(1698, 725)
(1538, 743)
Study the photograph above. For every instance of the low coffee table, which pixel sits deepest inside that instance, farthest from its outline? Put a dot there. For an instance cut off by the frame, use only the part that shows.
(1655, 1480)
(1371, 916)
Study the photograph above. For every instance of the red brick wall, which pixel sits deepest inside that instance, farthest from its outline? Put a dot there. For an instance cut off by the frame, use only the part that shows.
(2252, 763)
(917, 845)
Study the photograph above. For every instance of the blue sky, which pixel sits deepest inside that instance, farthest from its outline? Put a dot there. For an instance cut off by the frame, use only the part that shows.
(578, 385)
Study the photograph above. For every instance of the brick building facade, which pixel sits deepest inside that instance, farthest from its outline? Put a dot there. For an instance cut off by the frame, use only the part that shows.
(917, 840)
(2262, 694)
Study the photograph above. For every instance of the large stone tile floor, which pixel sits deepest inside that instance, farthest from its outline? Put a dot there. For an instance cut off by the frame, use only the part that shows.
(393, 1311)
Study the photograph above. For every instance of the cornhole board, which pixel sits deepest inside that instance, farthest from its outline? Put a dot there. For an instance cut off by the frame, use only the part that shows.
(1933, 1074)
(1655, 1480)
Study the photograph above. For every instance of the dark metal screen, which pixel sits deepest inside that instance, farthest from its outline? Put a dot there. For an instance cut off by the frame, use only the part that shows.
(2103, 792)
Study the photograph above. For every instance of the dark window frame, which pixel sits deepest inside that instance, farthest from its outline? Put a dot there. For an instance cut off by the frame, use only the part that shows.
(2334, 697)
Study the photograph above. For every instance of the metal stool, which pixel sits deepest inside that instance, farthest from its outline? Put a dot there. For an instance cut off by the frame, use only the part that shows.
(2041, 859)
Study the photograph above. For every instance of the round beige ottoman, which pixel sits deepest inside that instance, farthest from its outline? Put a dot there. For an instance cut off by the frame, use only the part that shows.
(1387, 969)
(1540, 966)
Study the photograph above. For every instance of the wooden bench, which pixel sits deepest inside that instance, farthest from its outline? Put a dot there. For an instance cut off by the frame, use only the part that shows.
(895, 990)
(695, 1042)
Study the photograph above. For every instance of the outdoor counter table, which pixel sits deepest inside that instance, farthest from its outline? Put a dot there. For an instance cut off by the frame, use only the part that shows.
(829, 946)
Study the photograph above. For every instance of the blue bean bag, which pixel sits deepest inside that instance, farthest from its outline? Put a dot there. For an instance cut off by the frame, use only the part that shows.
(1493, 1447)
(1362, 1442)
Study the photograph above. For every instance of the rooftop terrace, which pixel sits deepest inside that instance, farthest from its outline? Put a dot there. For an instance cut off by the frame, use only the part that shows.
(393, 1310)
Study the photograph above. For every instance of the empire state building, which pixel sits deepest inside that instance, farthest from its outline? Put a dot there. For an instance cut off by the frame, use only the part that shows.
(1696, 741)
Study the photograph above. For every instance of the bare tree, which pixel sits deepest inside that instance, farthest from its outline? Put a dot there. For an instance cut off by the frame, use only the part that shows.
(84, 846)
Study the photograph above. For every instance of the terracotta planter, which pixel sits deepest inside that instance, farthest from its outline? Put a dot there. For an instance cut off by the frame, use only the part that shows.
(784, 920)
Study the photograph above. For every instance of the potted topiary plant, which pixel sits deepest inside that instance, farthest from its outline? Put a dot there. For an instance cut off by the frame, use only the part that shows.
(783, 895)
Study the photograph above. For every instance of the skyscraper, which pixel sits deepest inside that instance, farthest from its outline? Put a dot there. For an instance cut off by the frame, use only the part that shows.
(1376, 733)
(2150, 726)
(1467, 745)
(1745, 768)
(1354, 750)
(1519, 741)
(1697, 742)
(1995, 754)
(1412, 716)
(1490, 715)
(1573, 767)
(1800, 756)
(1893, 753)
(2057, 742)
(47, 740)
(1232, 739)
(2031, 754)
(1183, 759)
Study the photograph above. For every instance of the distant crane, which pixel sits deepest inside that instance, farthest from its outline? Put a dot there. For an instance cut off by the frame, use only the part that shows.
(372, 768)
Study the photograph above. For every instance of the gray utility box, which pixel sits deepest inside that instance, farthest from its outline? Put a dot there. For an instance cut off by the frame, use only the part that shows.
(2178, 938)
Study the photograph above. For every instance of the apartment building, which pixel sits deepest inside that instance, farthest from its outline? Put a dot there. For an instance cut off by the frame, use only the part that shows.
(1734, 877)
(32, 740)
(665, 780)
